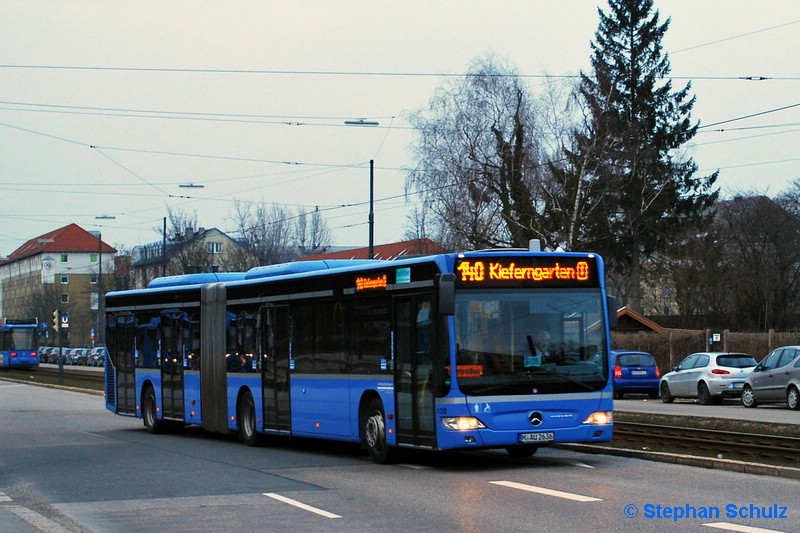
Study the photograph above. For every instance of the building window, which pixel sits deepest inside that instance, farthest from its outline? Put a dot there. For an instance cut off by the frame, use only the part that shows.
(93, 278)
(64, 298)
(64, 258)
(93, 258)
(214, 247)
(64, 279)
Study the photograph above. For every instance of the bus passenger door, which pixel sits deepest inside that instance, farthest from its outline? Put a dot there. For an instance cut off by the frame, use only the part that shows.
(121, 341)
(275, 335)
(171, 367)
(413, 331)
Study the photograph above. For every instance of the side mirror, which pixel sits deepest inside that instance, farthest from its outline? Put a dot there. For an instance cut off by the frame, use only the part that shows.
(447, 294)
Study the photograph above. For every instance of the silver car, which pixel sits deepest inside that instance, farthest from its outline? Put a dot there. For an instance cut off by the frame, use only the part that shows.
(707, 376)
(776, 379)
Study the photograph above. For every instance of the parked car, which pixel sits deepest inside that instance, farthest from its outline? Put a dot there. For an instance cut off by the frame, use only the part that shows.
(635, 372)
(78, 356)
(707, 376)
(45, 353)
(51, 356)
(776, 379)
(54, 354)
(97, 356)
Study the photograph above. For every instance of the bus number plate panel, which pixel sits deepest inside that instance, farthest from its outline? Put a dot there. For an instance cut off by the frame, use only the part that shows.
(526, 438)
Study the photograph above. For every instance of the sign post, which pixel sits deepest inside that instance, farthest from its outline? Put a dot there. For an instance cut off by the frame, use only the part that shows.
(60, 324)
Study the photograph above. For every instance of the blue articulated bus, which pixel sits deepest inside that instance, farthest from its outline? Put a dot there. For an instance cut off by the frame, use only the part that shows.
(438, 352)
(19, 343)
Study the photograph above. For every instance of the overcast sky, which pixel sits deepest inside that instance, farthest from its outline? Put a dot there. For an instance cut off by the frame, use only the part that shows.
(107, 107)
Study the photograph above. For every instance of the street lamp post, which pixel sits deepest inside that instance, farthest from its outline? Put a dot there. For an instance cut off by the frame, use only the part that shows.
(164, 249)
(371, 209)
(100, 298)
(369, 123)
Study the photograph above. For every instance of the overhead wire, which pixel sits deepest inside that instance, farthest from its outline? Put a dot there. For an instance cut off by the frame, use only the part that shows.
(288, 120)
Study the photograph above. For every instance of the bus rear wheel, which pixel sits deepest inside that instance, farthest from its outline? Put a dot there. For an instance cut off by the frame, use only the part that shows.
(375, 433)
(247, 420)
(150, 412)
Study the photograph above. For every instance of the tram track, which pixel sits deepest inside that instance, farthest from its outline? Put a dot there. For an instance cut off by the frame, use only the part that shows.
(77, 377)
(731, 444)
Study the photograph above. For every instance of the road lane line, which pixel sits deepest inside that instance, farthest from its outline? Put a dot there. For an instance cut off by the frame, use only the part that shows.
(548, 492)
(299, 505)
(42, 523)
(582, 465)
(742, 529)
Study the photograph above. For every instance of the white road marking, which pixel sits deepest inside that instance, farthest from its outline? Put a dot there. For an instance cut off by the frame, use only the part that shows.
(415, 467)
(743, 529)
(548, 492)
(299, 505)
(578, 463)
(42, 523)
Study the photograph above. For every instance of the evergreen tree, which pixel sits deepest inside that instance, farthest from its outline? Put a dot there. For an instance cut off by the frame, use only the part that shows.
(642, 193)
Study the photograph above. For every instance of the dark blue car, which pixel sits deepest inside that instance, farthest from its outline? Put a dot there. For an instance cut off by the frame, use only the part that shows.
(635, 372)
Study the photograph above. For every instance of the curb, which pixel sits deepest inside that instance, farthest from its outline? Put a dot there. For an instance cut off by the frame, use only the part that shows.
(786, 472)
(54, 386)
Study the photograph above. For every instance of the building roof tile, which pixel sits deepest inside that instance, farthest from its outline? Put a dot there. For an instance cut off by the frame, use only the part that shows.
(70, 238)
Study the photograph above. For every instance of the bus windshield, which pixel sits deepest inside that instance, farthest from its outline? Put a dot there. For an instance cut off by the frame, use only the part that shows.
(530, 341)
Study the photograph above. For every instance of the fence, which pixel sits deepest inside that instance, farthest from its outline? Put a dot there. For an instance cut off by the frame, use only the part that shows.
(671, 347)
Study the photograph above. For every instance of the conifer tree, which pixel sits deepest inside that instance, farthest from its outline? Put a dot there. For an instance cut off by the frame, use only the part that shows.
(643, 193)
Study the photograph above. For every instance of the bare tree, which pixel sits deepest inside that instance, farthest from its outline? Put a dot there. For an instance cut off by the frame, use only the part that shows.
(762, 238)
(186, 253)
(311, 232)
(480, 171)
(267, 234)
(40, 303)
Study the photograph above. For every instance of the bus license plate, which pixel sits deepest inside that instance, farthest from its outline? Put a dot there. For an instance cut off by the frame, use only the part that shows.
(536, 437)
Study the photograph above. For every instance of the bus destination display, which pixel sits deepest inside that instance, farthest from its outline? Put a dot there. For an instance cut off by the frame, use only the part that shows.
(527, 272)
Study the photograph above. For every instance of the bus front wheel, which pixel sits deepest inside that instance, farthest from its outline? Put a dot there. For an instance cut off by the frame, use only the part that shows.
(375, 433)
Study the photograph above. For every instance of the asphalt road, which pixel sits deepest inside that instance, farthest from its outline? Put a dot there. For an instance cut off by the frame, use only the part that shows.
(66, 464)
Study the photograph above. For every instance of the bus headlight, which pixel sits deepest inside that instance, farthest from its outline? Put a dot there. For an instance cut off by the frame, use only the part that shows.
(600, 418)
(462, 423)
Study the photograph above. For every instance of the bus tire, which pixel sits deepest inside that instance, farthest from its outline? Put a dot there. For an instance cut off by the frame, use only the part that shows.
(247, 420)
(375, 433)
(150, 412)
